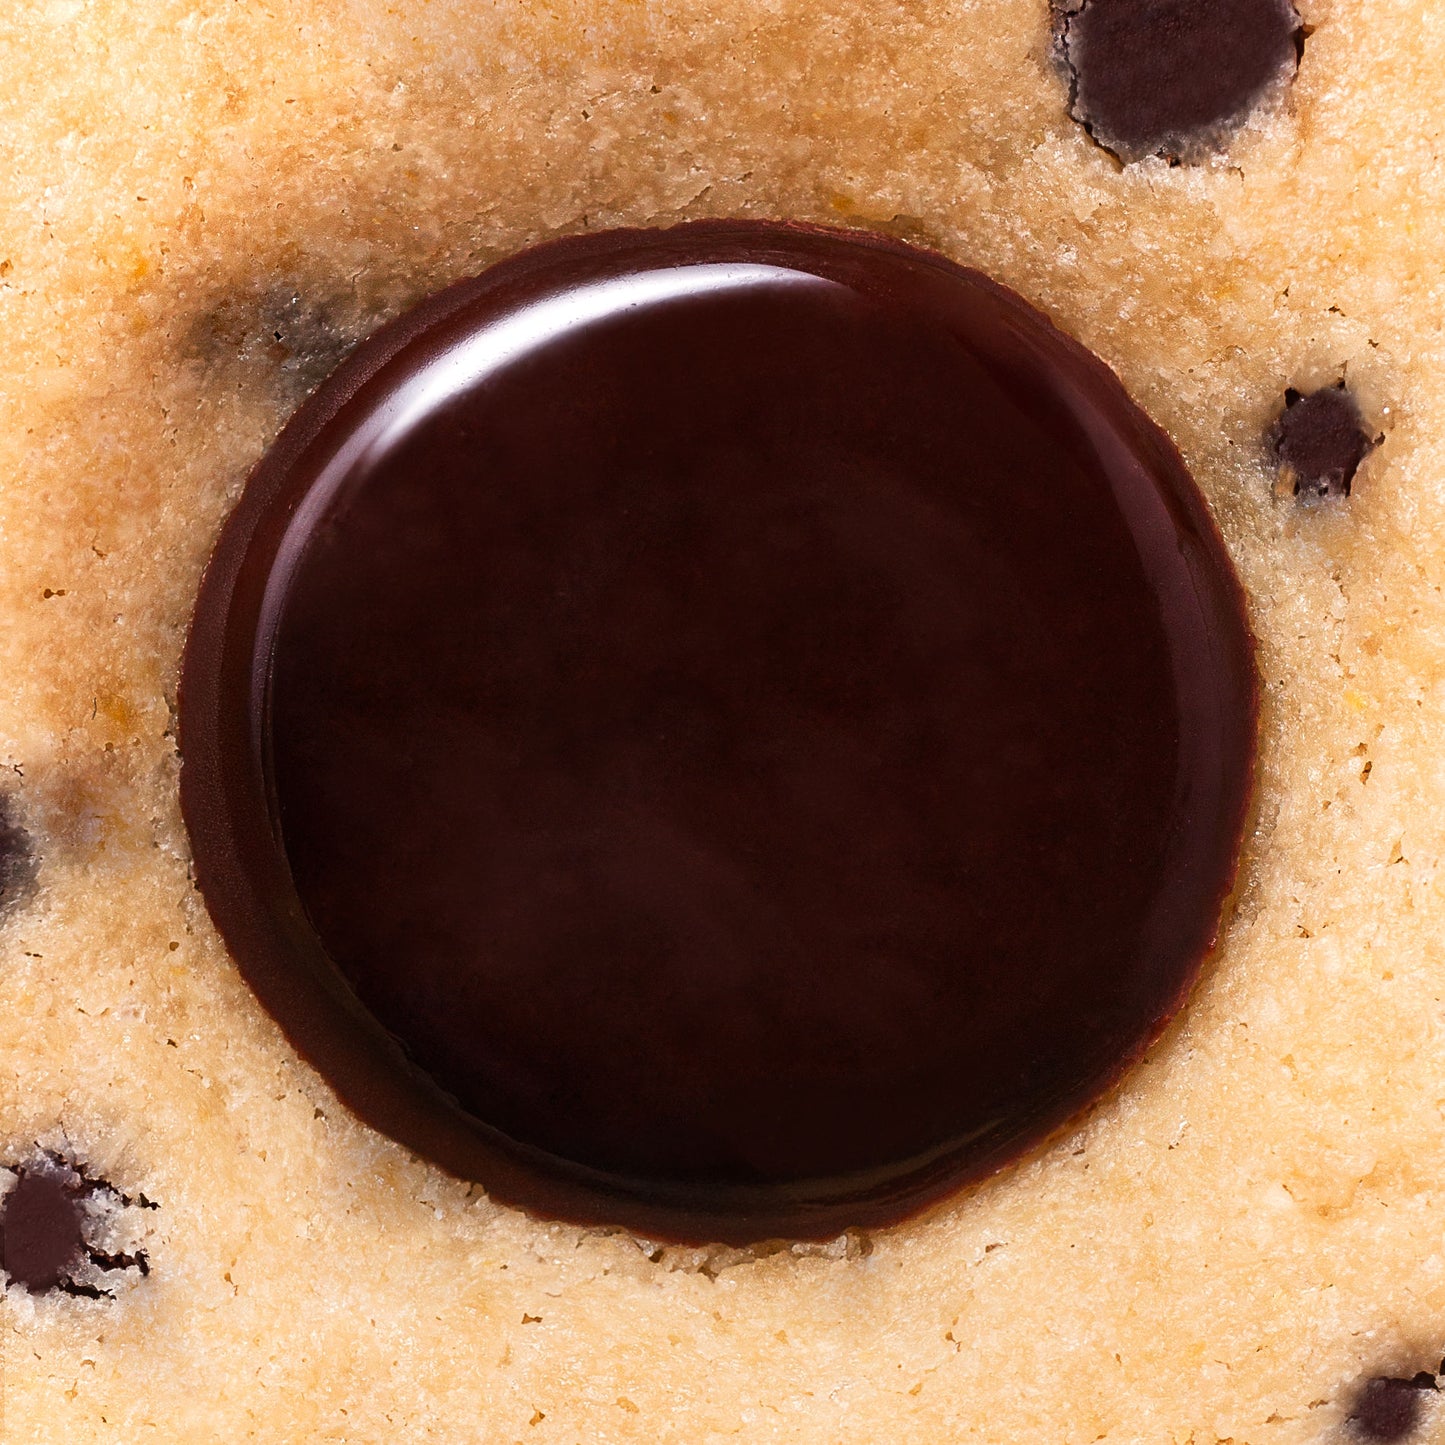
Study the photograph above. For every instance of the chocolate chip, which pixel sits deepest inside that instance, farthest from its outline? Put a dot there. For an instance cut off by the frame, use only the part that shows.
(761, 716)
(283, 332)
(46, 1234)
(1390, 1408)
(1320, 441)
(1173, 77)
(41, 1239)
(17, 857)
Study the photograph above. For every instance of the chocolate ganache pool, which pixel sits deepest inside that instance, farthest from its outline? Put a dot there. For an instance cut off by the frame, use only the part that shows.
(731, 731)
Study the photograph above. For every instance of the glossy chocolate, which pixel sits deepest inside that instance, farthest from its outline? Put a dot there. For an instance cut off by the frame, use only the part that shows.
(731, 731)
(1172, 77)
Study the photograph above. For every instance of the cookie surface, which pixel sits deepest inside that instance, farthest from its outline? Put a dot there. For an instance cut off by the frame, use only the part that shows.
(207, 207)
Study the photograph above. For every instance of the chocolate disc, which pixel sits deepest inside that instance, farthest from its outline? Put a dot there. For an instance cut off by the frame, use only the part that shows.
(731, 731)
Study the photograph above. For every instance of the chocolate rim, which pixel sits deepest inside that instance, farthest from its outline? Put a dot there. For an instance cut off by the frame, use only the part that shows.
(241, 869)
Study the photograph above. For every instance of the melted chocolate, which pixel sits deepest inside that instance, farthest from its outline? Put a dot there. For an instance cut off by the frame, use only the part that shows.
(1171, 77)
(731, 731)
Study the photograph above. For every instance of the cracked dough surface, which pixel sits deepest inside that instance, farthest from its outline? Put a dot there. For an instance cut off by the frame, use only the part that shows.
(203, 205)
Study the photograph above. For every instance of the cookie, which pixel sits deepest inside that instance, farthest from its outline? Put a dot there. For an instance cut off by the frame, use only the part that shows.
(210, 209)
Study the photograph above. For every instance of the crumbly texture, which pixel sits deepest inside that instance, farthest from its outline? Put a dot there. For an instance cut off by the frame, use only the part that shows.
(204, 205)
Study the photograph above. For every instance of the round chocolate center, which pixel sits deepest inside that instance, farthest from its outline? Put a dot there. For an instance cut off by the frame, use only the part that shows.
(729, 730)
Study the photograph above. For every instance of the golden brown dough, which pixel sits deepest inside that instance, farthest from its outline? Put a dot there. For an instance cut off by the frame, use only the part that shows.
(203, 204)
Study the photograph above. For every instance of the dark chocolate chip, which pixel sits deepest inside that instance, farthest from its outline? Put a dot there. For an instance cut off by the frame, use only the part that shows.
(17, 857)
(43, 1229)
(755, 711)
(41, 1238)
(283, 332)
(1390, 1408)
(1320, 441)
(1173, 77)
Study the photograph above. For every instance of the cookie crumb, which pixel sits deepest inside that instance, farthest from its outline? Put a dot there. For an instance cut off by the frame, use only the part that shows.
(1320, 441)
(1172, 78)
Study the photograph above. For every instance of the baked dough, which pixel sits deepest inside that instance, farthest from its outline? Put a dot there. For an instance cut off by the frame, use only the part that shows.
(205, 205)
